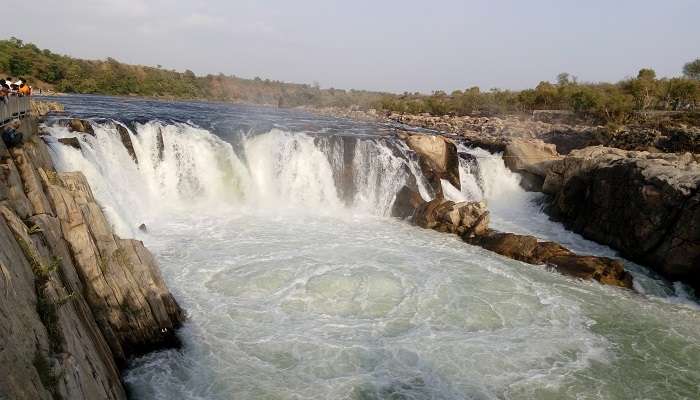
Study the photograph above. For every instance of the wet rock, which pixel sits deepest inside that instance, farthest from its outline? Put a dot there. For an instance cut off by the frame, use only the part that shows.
(160, 144)
(647, 205)
(470, 220)
(528, 249)
(72, 142)
(406, 202)
(438, 159)
(80, 125)
(126, 141)
(143, 228)
(466, 218)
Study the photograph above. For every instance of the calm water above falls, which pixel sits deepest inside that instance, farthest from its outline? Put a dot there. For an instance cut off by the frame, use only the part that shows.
(271, 229)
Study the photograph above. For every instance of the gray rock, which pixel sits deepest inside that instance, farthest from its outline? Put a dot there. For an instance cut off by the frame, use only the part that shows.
(644, 204)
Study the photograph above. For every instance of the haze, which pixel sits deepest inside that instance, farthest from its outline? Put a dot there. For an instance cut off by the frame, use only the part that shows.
(393, 45)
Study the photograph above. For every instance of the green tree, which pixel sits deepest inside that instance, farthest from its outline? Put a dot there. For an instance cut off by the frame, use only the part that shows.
(614, 106)
(546, 96)
(19, 66)
(692, 69)
(644, 89)
(584, 101)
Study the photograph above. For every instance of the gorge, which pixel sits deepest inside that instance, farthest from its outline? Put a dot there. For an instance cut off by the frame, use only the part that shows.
(273, 229)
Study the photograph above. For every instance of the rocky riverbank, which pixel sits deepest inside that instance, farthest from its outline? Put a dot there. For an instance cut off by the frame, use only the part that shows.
(647, 205)
(469, 220)
(566, 133)
(77, 300)
(635, 189)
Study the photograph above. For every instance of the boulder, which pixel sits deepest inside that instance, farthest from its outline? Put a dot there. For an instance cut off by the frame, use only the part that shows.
(646, 205)
(80, 125)
(406, 202)
(465, 218)
(470, 220)
(531, 158)
(126, 141)
(438, 159)
(528, 249)
(40, 108)
(71, 141)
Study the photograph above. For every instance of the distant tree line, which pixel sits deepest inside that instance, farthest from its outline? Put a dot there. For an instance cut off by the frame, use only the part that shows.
(65, 74)
(609, 102)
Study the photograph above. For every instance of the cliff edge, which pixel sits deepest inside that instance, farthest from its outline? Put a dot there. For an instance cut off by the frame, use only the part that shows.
(77, 300)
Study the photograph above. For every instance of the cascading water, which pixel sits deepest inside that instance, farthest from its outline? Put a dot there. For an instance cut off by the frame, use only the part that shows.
(299, 287)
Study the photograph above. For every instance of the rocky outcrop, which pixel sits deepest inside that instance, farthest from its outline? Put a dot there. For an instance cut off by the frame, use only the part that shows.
(438, 159)
(40, 108)
(470, 221)
(647, 205)
(532, 159)
(464, 219)
(77, 300)
(70, 141)
(82, 126)
(126, 141)
(406, 203)
(528, 249)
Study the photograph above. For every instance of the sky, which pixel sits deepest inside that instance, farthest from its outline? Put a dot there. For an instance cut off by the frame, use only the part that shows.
(395, 46)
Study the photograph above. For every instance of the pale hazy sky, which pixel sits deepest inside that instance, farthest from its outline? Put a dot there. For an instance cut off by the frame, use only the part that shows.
(383, 45)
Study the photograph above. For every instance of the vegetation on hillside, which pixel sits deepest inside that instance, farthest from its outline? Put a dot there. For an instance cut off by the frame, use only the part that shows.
(607, 102)
(46, 69)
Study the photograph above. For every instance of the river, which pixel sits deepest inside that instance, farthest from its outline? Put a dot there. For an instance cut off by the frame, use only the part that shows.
(272, 229)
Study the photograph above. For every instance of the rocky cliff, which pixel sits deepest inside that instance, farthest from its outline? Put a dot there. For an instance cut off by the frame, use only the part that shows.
(470, 220)
(647, 205)
(77, 300)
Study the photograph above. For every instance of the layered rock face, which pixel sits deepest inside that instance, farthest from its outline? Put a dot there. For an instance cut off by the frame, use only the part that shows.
(647, 205)
(470, 221)
(77, 300)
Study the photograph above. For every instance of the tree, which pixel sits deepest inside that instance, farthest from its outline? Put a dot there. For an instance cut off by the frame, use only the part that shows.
(564, 79)
(682, 93)
(644, 89)
(584, 100)
(692, 69)
(19, 66)
(546, 96)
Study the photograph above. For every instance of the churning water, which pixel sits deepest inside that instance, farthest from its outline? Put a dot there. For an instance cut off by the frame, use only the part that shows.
(273, 231)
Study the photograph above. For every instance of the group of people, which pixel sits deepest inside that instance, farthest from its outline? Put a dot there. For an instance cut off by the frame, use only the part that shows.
(10, 133)
(8, 87)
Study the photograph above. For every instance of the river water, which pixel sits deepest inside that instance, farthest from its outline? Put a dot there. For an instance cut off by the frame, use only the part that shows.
(272, 229)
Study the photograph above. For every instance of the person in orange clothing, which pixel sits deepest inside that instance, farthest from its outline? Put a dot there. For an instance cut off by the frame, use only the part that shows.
(25, 90)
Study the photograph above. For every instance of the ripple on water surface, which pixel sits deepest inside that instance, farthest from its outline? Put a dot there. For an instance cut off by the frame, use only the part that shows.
(342, 307)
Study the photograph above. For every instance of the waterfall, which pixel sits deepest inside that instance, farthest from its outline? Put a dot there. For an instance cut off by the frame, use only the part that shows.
(180, 167)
